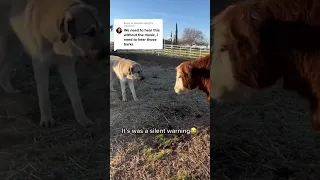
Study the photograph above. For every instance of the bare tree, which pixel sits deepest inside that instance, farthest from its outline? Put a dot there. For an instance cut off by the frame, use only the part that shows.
(193, 36)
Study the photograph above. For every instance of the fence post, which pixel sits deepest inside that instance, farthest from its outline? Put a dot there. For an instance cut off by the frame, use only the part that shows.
(190, 52)
(171, 50)
(180, 51)
(200, 52)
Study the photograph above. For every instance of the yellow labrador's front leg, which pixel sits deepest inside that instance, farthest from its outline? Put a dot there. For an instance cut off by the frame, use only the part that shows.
(69, 79)
(41, 74)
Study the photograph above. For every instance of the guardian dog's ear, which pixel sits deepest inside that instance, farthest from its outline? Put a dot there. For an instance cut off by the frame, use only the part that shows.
(130, 70)
(65, 27)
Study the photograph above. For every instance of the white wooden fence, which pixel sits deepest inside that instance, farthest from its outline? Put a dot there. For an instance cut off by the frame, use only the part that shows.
(173, 50)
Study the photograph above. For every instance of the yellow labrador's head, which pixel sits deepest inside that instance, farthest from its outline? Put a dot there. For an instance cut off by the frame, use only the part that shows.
(135, 72)
(81, 34)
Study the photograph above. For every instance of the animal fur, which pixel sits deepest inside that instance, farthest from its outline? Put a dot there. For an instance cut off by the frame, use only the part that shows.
(257, 43)
(54, 32)
(126, 70)
(194, 74)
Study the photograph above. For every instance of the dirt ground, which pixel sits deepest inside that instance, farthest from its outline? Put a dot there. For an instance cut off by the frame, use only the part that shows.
(68, 151)
(269, 137)
(158, 107)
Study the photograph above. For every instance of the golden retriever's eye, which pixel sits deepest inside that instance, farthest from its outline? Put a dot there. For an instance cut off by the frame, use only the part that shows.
(138, 72)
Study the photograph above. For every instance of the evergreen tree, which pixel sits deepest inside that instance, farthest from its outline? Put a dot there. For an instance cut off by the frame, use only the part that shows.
(176, 38)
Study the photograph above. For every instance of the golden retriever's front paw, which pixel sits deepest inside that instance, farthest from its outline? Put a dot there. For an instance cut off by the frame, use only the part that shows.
(47, 121)
(112, 89)
(124, 99)
(135, 99)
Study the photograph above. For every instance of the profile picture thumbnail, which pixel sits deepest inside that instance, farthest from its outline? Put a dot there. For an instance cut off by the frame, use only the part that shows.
(119, 30)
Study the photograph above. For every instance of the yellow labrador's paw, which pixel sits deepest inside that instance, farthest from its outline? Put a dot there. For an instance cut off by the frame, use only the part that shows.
(112, 89)
(124, 99)
(85, 122)
(136, 99)
(47, 122)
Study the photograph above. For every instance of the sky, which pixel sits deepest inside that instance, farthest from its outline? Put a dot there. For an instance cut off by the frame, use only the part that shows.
(186, 13)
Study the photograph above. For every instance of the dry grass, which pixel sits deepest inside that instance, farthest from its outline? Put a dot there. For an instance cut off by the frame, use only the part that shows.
(66, 151)
(269, 137)
(158, 156)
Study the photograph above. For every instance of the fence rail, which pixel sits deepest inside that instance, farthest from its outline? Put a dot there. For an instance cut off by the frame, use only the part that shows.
(174, 50)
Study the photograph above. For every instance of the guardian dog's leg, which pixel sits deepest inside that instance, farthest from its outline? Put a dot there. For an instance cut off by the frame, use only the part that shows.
(69, 79)
(7, 55)
(111, 81)
(41, 74)
(13, 55)
(123, 90)
(131, 86)
(5, 76)
(4, 66)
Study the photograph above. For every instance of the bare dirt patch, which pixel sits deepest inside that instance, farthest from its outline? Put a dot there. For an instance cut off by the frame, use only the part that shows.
(158, 156)
(269, 137)
(66, 151)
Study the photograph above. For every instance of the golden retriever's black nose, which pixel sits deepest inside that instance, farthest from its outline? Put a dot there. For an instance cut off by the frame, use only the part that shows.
(142, 78)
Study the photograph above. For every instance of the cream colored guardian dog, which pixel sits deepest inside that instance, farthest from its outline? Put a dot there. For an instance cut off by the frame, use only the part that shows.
(53, 32)
(127, 71)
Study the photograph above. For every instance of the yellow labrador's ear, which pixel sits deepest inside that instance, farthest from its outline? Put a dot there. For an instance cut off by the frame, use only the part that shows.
(130, 70)
(64, 27)
(64, 35)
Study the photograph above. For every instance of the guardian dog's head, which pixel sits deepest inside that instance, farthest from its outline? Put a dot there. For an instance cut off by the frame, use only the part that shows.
(184, 80)
(81, 34)
(135, 72)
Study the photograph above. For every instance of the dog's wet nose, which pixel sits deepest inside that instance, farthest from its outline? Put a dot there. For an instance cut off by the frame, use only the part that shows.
(142, 78)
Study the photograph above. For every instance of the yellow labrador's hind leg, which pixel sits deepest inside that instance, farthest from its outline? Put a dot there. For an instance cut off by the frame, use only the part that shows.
(11, 51)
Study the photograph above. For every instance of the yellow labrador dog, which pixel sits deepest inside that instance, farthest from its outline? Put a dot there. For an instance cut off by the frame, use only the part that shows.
(54, 32)
(127, 71)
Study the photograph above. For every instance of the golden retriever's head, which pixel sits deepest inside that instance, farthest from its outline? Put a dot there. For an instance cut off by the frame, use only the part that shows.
(81, 34)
